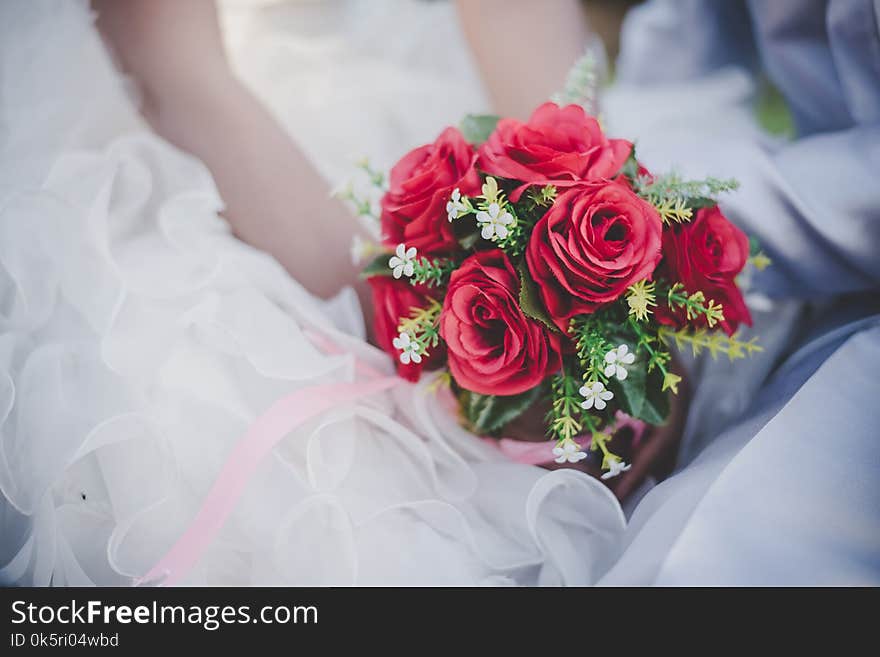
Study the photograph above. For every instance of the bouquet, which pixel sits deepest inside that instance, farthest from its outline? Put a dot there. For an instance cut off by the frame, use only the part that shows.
(543, 263)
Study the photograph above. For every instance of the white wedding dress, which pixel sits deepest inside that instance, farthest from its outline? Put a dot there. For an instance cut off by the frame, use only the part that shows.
(139, 341)
(355, 78)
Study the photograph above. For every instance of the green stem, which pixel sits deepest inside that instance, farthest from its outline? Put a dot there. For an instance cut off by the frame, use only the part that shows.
(644, 341)
(566, 417)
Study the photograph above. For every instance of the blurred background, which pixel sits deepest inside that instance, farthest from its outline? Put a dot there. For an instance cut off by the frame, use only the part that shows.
(354, 78)
(605, 18)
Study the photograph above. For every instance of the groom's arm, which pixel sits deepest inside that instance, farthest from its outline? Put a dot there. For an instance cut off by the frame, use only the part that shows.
(275, 200)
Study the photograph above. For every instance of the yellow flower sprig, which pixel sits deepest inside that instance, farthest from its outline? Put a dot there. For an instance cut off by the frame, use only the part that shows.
(672, 210)
(611, 462)
(543, 197)
(760, 261)
(491, 193)
(640, 298)
(695, 304)
(422, 326)
(670, 382)
(714, 342)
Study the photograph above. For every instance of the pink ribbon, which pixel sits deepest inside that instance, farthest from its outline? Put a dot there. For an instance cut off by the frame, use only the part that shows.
(280, 419)
(531, 453)
(539, 453)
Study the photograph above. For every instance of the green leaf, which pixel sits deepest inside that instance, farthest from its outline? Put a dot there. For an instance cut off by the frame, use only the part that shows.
(487, 414)
(476, 128)
(631, 391)
(754, 246)
(697, 202)
(466, 231)
(640, 394)
(656, 408)
(630, 168)
(377, 267)
(530, 299)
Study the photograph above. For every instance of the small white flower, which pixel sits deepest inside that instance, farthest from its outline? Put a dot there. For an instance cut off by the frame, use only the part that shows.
(409, 350)
(615, 467)
(402, 263)
(569, 451)
(494, 222)
(595, 395)
(455, 208)
(616, 359)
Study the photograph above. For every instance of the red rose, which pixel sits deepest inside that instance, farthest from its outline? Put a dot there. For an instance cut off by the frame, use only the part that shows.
(494, 349)
(414, 207)
(595, 241)
(705, 255)
(393, 300)
(558, 145)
